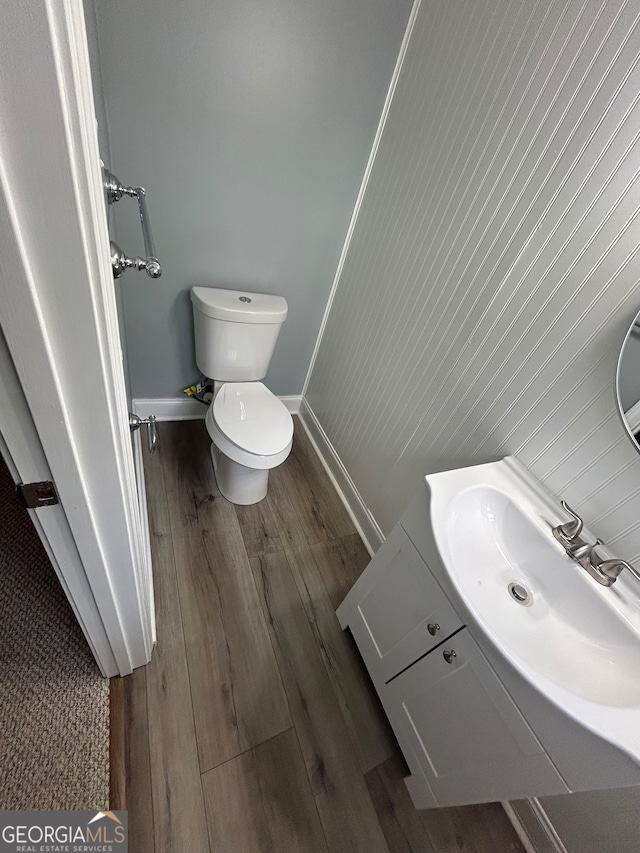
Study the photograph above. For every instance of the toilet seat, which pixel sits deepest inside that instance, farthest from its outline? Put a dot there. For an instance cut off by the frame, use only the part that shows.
(250, 425)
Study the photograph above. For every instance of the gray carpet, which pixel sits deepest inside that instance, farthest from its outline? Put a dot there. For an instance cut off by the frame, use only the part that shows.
(54, 704)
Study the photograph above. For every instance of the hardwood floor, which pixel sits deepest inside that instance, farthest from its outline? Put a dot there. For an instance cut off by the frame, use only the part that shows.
(255, 727)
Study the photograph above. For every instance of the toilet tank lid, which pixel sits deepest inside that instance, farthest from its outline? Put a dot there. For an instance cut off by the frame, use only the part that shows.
(239, 306)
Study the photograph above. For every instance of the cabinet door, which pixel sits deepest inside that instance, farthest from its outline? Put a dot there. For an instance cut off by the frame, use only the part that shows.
(396, 611)
(462, 736)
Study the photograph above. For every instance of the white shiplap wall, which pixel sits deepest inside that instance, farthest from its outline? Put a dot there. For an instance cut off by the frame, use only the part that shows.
(494, 266)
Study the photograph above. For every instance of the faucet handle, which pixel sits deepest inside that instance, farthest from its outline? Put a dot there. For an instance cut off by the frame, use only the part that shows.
(570, 529)
(612, 568)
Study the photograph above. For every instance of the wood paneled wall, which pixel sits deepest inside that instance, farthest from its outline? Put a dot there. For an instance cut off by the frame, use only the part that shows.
(494, 267)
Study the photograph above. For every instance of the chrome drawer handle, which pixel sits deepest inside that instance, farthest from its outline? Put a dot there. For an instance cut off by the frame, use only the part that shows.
(448, 655)
(432, 627)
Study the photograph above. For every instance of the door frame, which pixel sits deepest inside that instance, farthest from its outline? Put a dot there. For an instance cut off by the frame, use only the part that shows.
(59, 317)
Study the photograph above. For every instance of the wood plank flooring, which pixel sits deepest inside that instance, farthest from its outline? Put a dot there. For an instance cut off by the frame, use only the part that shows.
(255, 727)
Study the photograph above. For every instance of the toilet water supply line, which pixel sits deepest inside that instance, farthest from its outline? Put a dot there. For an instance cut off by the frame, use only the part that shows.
(202, 391)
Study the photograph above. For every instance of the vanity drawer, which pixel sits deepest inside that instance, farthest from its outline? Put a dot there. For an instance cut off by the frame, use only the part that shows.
(397, 611)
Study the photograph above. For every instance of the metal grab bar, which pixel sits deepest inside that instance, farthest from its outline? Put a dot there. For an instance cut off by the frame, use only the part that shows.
(119, 261)
(149, 245)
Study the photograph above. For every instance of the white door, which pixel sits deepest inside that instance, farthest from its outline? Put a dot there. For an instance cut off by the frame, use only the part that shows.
(59, 317)
(27, 464)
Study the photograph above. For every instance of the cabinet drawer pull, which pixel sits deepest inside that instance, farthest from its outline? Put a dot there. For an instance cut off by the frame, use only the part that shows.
(448, 655)
(432, 627)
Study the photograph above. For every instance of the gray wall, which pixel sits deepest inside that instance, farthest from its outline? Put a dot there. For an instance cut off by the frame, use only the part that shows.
(91, 27)
(250, 125)
(492, 275)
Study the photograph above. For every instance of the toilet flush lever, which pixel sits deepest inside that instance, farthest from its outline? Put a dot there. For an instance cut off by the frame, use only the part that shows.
(135, 422)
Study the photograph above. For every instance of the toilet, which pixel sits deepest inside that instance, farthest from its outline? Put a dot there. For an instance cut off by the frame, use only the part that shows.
(251, 430)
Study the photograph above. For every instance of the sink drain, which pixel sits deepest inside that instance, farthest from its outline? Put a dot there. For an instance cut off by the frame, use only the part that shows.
(519, 593)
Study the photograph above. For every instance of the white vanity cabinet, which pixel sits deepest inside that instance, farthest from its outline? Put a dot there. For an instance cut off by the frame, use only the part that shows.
(505, 669)
(463, 738)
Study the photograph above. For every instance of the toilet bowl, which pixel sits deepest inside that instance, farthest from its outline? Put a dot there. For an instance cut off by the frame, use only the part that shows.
(251, 432)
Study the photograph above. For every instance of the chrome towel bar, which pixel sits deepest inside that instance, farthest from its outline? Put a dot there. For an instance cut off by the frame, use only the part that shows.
(119, 261)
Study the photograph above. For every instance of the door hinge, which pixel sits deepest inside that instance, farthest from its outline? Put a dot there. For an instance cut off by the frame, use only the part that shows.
(34, 495)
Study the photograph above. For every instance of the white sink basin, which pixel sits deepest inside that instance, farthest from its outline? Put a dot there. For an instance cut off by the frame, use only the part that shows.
(576, 641)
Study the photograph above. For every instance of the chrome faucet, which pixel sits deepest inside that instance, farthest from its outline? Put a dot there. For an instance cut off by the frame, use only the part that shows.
(604, 571)
(568, 532)
(582, 552)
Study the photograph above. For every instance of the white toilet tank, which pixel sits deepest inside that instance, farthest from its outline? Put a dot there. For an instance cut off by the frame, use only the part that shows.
(235, 332)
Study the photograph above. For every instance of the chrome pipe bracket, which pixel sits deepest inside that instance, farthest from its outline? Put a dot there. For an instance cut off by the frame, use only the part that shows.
(114, 190)
(121, 262)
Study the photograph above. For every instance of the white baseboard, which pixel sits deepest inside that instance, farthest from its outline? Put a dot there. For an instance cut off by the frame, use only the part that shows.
(360, 514)
(535, 830)
(519, 827)
(188, 409)
(170, 408)
(293, 403)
